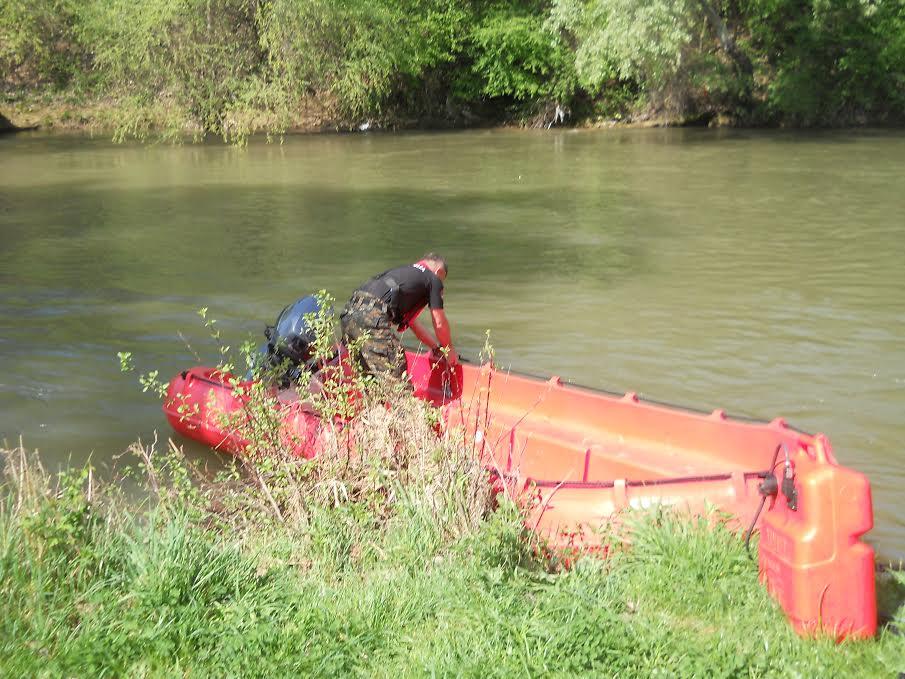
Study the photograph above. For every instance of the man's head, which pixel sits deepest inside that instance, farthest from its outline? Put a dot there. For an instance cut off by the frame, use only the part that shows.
(437, 264)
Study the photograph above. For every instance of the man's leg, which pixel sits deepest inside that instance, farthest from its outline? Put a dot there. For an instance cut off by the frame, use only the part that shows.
(384, 354)
(381, 353)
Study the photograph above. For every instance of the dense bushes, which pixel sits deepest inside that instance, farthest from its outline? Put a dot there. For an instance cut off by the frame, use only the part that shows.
(39, 42)
(830, 61)
(358, 52)
(234, 66)
(513, 55)
(192, 62)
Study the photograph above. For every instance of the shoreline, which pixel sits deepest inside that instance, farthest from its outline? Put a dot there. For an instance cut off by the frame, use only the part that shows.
(56, 114)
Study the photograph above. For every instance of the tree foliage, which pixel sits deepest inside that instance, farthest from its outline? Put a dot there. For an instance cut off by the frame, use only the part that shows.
(38, 42)
(194, 58)
(515, 55)
(236, 66)
(362, 53)
(829, 60)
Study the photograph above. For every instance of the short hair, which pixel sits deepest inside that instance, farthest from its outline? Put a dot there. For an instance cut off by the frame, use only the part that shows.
(440, 259)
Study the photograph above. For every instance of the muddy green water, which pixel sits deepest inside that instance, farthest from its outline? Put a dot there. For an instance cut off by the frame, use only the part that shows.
(760, 272)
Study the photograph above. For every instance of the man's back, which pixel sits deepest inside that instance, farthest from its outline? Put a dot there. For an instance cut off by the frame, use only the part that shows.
(406, 290)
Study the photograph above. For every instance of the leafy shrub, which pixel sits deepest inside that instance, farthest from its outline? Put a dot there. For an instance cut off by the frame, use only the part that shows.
(39, 41)
(186, 63)
(515, 56)
(684, 57)
(889, 21)
(827, 60)
(360, 52)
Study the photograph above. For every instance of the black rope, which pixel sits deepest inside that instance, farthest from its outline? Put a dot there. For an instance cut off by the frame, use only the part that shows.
(769, 488)
(763, 501)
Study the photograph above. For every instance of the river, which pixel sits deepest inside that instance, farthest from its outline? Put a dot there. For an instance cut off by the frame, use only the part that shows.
(756, 271)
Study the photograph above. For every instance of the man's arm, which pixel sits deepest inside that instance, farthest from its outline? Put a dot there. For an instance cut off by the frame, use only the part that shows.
(422, 334)
(441, 328)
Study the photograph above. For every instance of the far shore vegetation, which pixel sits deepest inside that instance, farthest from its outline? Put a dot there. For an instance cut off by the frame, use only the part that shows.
(188, 68)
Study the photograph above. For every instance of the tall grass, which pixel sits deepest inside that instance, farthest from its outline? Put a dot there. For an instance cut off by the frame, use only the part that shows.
(200, 579)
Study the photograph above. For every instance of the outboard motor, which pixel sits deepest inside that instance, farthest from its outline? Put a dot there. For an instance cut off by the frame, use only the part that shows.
(290, 340)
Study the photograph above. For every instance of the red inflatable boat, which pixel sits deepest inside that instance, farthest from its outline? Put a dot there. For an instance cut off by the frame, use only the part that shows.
(586, 456)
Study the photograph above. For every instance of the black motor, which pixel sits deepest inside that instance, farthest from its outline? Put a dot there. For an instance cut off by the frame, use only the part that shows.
(290, 341)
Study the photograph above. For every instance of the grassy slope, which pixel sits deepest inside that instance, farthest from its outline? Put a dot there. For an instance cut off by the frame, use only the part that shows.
(168, 593)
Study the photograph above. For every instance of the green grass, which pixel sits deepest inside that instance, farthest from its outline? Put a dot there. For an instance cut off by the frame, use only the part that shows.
(95, 587)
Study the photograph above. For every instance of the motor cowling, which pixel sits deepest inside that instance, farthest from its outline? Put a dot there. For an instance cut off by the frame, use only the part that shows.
(292, 336)
(290, 340)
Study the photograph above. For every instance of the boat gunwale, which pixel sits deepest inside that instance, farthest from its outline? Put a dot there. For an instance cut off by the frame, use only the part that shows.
(568, 382)
(744, 419)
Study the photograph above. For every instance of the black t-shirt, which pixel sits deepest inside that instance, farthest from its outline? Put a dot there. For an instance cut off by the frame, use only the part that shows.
(407, 290)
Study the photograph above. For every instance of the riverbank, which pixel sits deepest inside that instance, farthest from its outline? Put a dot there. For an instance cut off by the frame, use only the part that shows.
(203, 580)
(64, 113)
(60, 114)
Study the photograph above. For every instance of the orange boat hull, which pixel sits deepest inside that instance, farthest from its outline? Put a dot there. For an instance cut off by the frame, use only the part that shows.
(586, 457)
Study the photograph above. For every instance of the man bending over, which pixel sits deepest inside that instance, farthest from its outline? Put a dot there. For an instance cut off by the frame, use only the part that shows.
(394, 299)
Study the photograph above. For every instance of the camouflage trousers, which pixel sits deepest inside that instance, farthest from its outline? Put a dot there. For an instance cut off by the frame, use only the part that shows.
(382, 352)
